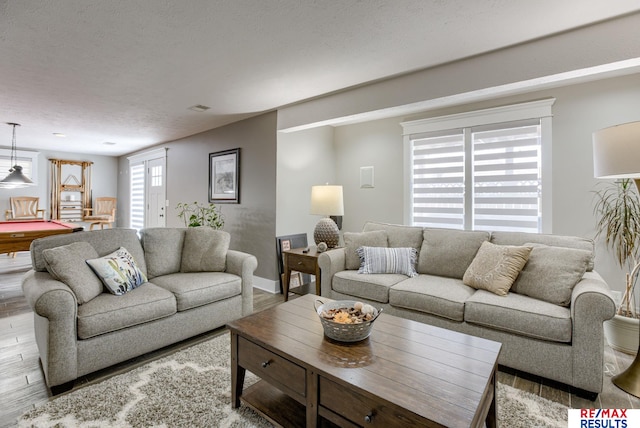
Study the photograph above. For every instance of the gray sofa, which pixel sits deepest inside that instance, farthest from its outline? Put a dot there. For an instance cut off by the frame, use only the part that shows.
(562, 341)
(80, 329)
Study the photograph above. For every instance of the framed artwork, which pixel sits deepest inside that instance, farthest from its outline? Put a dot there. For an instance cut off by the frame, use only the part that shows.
(224, 177)
(295, 280)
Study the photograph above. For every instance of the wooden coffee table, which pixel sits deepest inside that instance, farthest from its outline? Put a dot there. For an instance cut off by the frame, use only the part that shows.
(405, 374)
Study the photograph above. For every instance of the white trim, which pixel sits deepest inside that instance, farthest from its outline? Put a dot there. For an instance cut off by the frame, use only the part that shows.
(267, 285)
(151, 154)
(533, 109)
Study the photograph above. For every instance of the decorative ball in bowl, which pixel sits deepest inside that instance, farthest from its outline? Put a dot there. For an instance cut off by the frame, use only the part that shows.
(346, 320)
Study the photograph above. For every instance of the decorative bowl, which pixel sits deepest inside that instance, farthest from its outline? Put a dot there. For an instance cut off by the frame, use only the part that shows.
(344, 332)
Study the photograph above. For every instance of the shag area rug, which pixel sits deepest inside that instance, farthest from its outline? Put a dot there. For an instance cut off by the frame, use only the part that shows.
(192, 388)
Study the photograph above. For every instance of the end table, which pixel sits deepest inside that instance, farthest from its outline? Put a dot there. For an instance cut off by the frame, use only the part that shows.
(296, 259)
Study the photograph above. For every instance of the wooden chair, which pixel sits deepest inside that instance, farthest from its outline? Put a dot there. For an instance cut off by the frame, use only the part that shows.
(103, 212)
(23, 208)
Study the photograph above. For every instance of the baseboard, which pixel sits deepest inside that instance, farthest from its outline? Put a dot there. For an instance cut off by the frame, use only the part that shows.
(268, 285)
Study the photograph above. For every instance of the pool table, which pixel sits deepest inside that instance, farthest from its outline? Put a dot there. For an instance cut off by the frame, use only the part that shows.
(16, 235)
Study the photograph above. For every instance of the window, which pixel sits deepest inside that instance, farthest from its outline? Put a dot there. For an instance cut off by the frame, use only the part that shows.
(481, 170)
(26, 159)
(137, 196)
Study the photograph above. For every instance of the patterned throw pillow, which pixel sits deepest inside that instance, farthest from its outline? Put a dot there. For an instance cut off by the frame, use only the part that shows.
(496, 267)
(118, 271)
(388, 260)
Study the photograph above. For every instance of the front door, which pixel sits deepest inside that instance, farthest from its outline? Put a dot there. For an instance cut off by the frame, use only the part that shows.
(156, 193)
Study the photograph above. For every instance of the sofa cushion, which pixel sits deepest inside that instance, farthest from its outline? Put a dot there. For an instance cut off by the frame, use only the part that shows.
(387, 260)
(104, 241)
(495, 267)
(520, 238)
(398, 235)
(118, 271)
(68, 264)
(449, 252)
(353, 241)
(366, 286)
(435, 295)
(205, 250)
(520, 315)
(551, 273)
(162, 249)
(107, 312)
(200, 288)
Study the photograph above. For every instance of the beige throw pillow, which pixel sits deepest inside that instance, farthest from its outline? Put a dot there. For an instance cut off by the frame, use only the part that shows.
(496, 267)
(205, 250)
(353, 241)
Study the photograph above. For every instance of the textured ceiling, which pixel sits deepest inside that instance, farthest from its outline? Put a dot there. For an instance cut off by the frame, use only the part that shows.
(125, 72)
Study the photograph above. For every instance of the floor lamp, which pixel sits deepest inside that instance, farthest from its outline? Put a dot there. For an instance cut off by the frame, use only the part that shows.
(616, 154)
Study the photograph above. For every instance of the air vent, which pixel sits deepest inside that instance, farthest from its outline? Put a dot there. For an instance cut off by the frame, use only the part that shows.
(199, 107)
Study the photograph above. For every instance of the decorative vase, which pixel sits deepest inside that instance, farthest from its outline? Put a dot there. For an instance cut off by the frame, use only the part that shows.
(622, 333)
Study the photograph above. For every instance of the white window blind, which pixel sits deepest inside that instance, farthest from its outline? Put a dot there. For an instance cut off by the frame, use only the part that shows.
(473, 171)
(438, 180)
(507, 178)
(137, 196)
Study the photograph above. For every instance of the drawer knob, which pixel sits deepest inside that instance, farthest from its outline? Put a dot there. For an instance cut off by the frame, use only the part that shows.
(299, 263)
(369, 418)
(265, 364)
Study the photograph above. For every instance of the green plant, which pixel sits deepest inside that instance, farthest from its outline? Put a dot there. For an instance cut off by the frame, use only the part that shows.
(195, 215)
(618, 209)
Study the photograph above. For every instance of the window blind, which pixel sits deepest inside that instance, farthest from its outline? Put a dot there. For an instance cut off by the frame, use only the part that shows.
(137, 196)
(480, 178)
(5, 166)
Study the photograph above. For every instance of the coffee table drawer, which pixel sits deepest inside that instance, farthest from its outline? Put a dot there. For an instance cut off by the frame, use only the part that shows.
(362, 410)
(271, 367)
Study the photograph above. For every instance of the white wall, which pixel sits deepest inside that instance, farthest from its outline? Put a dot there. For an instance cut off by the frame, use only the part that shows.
(305, 158)
(377, 144)
(104, 173)
(578, 111)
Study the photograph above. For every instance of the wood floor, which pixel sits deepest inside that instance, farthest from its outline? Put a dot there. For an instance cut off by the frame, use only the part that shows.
(22, 383)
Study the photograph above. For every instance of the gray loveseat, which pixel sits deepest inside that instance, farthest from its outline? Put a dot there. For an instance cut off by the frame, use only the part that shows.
(560, 340)
(80, 327)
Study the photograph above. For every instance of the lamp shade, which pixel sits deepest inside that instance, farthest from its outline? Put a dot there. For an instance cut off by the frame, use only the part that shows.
(616, 151)
(327, 200)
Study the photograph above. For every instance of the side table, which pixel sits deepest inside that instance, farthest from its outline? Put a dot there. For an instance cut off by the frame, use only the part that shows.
(296, 259)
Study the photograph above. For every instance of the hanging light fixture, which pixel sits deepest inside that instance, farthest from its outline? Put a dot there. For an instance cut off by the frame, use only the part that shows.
(16, 178)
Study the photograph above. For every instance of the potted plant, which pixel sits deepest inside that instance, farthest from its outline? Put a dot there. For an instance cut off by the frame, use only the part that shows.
(618, 209)
(200, 215)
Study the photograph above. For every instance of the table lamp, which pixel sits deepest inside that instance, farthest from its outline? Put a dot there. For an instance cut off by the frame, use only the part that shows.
(327, 200)
(616, 154)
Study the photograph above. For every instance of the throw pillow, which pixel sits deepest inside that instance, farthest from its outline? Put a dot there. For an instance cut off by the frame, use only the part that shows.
(118, 271)
(205, 250)
(552, 272)
(68, 264)
(388, 260)
(495, 267)
(353, 241)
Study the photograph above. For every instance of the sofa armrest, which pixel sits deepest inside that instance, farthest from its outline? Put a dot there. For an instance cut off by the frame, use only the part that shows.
(55, 307)
(243, 265)
(591, 305)
(330, 262)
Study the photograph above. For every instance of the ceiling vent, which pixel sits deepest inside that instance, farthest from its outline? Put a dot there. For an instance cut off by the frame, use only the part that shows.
(199, 107)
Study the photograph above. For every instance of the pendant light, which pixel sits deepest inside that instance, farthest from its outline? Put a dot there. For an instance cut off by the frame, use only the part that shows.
(16, 178)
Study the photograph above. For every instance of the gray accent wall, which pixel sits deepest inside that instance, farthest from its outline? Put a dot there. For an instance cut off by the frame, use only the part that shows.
(252, 223)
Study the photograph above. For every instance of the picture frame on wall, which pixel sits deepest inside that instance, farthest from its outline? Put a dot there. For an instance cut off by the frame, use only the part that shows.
(224, 177)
